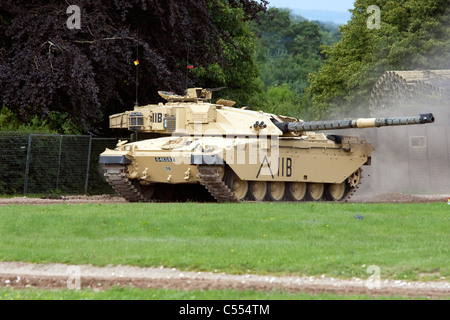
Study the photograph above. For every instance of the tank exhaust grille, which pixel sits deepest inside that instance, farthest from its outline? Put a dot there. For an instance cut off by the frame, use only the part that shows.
(171, 123)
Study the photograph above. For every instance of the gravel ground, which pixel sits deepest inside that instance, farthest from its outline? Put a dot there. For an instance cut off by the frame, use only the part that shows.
(52, 276)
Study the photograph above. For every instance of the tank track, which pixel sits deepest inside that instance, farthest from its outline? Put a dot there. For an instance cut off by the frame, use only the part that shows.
(210, 178)
(351, 191)
(116, 176)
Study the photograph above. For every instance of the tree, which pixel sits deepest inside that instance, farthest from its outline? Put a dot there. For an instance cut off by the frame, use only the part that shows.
(413, 34)
(88, 73)
(288, 49)
(239, 74)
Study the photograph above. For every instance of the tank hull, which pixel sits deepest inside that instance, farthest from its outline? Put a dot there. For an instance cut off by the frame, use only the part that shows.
(270, 162)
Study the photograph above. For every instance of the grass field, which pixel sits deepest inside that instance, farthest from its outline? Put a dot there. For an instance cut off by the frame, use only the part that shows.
(406, 241)
(163, 294)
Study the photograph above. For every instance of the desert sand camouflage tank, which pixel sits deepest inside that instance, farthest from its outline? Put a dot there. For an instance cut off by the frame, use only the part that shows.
(195, 148)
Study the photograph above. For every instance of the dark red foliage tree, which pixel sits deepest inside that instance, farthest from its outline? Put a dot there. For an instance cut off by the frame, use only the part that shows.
(89, 73)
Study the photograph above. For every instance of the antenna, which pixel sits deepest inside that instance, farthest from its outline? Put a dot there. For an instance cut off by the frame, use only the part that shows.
(187, 70)
(137, 66)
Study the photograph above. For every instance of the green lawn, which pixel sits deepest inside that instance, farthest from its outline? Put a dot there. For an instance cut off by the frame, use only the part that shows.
(406, 241)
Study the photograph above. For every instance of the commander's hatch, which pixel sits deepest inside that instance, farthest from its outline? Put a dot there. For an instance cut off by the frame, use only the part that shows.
(225, 103)
(191, 95)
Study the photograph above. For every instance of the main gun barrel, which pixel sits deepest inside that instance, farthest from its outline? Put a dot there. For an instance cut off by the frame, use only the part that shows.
(287, 127)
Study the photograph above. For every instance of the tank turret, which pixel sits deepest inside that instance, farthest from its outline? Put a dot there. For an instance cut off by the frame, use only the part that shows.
(196, 149)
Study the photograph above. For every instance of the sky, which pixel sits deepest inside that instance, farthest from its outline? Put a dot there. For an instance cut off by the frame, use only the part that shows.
(328, 5)
(322, 10)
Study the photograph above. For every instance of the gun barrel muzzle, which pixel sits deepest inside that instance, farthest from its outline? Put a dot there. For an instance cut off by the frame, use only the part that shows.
(355, 123)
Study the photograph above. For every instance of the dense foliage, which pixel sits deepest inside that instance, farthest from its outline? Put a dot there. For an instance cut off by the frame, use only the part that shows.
(88, 73)
(56, 79)
(413, 34)
(288, 49)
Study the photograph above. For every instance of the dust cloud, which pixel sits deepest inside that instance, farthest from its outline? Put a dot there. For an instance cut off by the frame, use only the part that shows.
(408, 159)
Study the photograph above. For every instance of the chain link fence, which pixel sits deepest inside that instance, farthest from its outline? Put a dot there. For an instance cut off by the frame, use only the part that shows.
(47, 164)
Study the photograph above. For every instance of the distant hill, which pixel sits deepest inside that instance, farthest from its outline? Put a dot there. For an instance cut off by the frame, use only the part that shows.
(337, 17)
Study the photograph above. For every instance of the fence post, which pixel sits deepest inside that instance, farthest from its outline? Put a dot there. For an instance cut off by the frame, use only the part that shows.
(27, 166)
(59, 162)
(88, 166)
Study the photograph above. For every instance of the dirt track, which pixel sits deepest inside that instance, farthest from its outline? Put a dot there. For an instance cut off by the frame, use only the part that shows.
(382, 198)
(53, 276)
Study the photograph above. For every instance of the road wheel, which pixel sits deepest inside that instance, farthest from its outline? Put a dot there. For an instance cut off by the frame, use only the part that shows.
(316, 191)
(276, 191)
(335, 191)
(236, 185)
(296, 191)
(258, 190)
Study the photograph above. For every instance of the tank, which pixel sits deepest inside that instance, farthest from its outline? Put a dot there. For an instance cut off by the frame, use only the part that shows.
(189, 149)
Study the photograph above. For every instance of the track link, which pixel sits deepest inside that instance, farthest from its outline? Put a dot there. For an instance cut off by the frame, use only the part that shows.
(116, 176)
(210, 178)
(351, 191)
